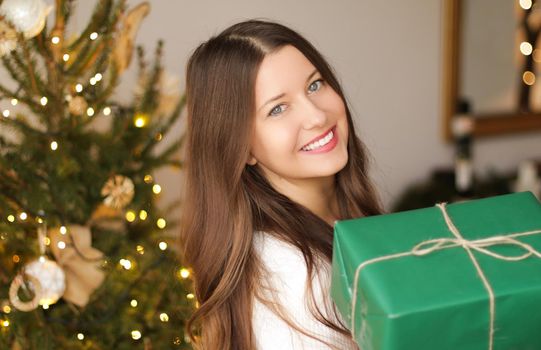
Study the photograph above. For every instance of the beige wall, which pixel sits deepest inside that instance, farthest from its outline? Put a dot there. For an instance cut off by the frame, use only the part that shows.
(387, 55)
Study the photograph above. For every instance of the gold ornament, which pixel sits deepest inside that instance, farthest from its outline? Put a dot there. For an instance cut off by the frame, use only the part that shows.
(123, 48)
(77, 105)
(79, 260)
(118, 191)
(8, 38)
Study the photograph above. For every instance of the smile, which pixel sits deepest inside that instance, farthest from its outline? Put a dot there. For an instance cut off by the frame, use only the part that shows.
(321, 141)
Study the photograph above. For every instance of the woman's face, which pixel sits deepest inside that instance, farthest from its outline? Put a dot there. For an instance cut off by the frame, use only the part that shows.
(301, 128)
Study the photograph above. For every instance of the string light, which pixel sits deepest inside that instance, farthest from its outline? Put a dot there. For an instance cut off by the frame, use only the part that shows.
(16, 258)
(526, 48)
(161, 223)
(159, 136)
(23, 216)
(61, 245)
(63, 230)
(525, 4)
(5, 113)
(80, 336)
(133, 303)
(98, 76)
(90, 111)
(14, 101)
(5, 323)
(143, 215)
(79, 87)
(6, 309)
(164, 317)
(130, 216)
(47, 241)
(184, 273)
(528, 78)
(148, 179)
(136, 334)
(39, 220)
(162, 245)
(54, 145)
(45, 306)
(190, 296)
(55, 40)
(156, 189)
(43, 101)
(93, 81)
(107, 110)
(126, 264)
(11, 218)
(93, 36)
(140, 120)
(66, 57)
(140, 249)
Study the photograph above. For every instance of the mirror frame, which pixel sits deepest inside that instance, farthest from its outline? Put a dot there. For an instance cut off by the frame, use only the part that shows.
(484, 124)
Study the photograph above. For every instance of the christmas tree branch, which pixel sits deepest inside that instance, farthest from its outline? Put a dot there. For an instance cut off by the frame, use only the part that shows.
(99, 16)
(30, 64)
(16, 69)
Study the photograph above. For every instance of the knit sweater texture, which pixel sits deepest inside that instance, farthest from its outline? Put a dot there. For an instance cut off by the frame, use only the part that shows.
(287, 278)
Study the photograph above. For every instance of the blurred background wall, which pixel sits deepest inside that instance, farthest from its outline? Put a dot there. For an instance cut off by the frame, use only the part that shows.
(388, 56)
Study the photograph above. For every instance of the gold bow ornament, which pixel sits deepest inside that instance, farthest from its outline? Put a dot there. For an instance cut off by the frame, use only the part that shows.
(81, 262)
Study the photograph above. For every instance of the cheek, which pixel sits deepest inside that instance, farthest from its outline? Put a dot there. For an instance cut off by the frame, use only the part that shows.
(274, 141)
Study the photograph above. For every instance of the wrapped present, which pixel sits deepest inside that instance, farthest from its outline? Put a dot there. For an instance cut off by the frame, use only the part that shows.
(454, 276)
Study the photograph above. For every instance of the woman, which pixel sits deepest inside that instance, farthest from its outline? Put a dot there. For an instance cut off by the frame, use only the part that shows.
(272, 162)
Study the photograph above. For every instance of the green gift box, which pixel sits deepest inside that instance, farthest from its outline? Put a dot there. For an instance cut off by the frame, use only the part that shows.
(454, 276)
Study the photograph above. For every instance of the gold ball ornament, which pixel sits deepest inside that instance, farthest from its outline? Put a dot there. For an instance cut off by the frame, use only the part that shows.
(8, 38)
(118, 191)
(27, 16)
(46, 279)
(77, 105)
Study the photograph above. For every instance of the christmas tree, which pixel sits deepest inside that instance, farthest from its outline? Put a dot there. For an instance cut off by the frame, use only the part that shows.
(86, 260)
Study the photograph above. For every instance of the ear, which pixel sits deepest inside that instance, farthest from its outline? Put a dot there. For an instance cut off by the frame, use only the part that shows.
(251, 160)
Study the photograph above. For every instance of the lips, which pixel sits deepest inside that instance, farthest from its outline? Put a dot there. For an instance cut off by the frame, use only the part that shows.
(319, 137)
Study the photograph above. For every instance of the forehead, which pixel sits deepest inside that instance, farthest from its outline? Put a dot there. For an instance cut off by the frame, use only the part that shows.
(280, 71)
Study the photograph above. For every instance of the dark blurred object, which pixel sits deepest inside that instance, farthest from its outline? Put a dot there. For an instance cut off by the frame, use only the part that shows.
(440, 187)
(462, 134)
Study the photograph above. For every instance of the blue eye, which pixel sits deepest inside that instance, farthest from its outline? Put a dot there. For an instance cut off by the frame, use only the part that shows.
(277, 110)
(315, 86)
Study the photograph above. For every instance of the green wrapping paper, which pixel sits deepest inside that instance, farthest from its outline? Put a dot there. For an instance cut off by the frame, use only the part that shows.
(435, 297)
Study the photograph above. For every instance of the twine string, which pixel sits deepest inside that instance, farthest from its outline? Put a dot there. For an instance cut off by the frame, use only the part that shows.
(480, 245)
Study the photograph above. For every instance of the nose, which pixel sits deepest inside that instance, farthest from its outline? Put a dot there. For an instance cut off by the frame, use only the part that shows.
(313, 115)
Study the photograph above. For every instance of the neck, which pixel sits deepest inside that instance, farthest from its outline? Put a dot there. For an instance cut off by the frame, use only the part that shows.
(318, 195)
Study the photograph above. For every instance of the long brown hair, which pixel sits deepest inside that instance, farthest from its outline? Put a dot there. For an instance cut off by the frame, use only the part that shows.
(228, 200)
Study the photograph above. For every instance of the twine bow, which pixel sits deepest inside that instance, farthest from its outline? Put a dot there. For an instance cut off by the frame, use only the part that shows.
(433, 245)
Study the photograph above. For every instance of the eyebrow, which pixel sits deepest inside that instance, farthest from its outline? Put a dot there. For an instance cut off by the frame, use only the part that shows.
(282, 94)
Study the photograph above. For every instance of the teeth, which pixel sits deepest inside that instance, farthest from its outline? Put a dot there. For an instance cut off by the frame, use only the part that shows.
(320, 143)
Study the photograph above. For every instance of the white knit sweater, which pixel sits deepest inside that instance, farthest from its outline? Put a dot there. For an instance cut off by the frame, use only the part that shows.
(287, 276)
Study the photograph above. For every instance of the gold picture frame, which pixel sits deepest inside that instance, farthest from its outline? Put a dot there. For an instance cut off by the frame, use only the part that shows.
(484, 125)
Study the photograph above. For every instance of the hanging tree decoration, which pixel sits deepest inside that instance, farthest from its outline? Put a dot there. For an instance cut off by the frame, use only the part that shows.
(118, 191)
(27, 16)
(45, 279)
(72, 249)
(8, 38)
(123, 50)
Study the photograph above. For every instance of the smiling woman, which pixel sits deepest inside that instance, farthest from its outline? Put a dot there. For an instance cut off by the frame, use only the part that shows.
(291, 142)
(272, 162)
